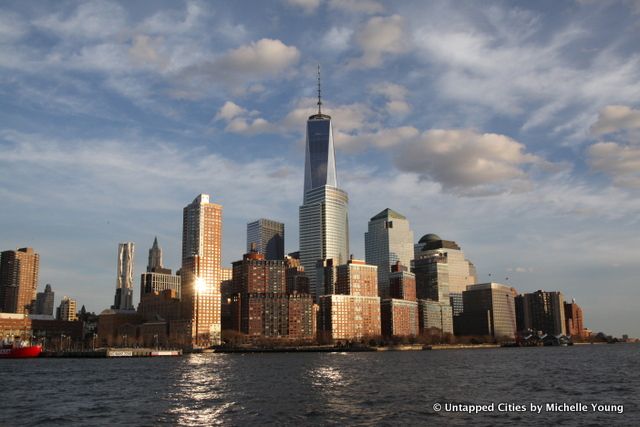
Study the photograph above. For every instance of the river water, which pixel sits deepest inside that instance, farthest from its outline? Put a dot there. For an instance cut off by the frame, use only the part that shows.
(383, 388)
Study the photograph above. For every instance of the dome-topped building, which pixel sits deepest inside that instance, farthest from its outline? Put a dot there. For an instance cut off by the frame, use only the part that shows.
(429, 238)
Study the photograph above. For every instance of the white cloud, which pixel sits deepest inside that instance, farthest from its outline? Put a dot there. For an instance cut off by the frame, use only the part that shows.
(396, 104)
(379, 38)
(12, 26)
(614, 118)
(229, 111)
(467, 162)
(239, 120)
(93, 19)
(337, 39)
(145, 51)
(307, 5)
(511, 62)
(620, 162)
(167, 22)
(357, 6)
(383, 138)
(242, 67)
(266, 56)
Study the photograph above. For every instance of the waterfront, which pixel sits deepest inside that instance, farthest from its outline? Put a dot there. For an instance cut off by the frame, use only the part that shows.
(324, 388)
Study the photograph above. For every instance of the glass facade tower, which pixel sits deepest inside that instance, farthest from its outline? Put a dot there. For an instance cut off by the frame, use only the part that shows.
(324, 222)
(388, 240)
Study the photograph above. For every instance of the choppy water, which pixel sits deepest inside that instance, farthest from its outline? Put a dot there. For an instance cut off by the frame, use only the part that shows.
(388, 388)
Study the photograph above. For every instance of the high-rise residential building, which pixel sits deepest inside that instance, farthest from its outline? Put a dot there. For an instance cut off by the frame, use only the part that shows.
(402, 283)
(267, 236)
(324, 223)
(18, 280)
(124, 285)
(353, 311)
(155, 257)
(442, 271)
(67, 310)
(45, 301)
(201, 272)
(488, 310)
(388, 240)
(260, 303)
(399, 317)
(157, 278)
(574, 319)
(542, 312)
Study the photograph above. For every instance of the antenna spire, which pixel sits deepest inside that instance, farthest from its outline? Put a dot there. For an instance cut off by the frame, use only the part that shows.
(319, 93)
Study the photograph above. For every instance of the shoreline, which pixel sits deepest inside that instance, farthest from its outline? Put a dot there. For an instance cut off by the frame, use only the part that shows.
(117, 352)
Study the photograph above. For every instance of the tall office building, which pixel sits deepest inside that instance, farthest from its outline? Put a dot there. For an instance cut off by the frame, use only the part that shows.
(155, 256)
(67, 310)
(324, 223)
(442, 271)
(18, 280)
(201, 273)
(542, 311)
(44, 301)
(157, 278)
(388, 240)
(124, 285)
(268, 237)
(488, 310)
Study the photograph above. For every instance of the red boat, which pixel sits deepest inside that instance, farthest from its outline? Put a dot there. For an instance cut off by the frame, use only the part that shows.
(20, 352)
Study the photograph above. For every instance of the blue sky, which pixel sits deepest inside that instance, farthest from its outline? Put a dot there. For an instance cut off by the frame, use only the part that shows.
(510, 127)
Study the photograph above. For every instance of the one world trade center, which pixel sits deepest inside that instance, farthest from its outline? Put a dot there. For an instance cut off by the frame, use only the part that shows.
(324, 222)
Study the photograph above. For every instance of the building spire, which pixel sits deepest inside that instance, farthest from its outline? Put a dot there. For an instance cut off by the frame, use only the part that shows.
(319, 93)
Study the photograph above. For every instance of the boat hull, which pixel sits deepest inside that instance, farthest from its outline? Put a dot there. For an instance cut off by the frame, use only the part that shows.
(20, 352)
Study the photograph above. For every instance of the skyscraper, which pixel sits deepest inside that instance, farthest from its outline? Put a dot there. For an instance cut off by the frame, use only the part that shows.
(201, 272)
(388, 241)
(44, 301)
(543, 311)
(124, 285)
(488, 310)
(442, 271)
(18, 280)
(157, 278)
(268, 237)
(155, 256)
(67, 310)
(324, 223)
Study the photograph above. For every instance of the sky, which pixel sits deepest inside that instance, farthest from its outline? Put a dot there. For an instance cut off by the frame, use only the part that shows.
(512, 128)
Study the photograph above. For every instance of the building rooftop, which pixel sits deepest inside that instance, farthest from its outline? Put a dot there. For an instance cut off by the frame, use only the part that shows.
(388, 213)
(429, 238)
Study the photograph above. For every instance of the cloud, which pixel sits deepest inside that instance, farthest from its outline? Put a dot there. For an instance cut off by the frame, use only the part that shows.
(379, 38)
(260, 60)
(93, 19)
(307, 5)
(383, 138)
(614, 118)
(12, 26)
(513, 62)
(337, 39)
(620, 162)
(266, 56)
(396, 104)
(466, 162)
(167, 22)
(239, 120)
(357, 6)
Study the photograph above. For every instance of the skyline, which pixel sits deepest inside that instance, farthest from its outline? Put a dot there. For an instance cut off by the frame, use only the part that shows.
(115, 116)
